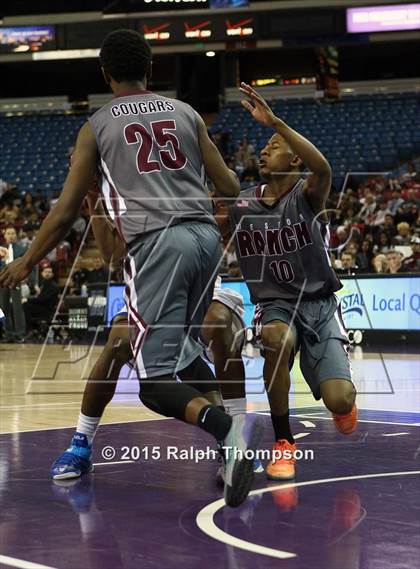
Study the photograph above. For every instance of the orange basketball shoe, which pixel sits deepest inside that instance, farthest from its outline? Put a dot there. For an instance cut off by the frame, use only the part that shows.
(282, 467)
(347, 423)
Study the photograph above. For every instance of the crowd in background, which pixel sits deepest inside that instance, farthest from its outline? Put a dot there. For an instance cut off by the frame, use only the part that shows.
(375, 228)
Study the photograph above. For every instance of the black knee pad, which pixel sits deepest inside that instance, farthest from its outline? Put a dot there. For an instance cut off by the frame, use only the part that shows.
(199, 376)
(166, 396)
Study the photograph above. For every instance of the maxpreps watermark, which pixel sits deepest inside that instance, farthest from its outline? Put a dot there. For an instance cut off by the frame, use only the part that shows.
(196, 455)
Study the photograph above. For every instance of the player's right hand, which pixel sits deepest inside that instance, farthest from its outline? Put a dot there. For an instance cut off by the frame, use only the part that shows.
(258, 106)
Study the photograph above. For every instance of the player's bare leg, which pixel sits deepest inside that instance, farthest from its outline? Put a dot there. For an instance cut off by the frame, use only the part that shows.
(102, 382)
(339, 396)
(99, 390)
(220, 333)
(278, 341)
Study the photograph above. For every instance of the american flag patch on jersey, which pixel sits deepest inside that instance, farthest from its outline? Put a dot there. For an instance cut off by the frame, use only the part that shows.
(242, 203)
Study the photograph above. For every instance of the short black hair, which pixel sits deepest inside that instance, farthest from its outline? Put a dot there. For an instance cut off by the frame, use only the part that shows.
(125, 55)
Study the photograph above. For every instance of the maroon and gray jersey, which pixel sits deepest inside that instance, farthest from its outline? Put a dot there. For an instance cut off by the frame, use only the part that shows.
(282, 248)
(152, 173)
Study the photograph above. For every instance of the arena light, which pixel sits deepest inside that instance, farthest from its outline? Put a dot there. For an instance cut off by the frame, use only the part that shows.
(210, 53)
(383, 18)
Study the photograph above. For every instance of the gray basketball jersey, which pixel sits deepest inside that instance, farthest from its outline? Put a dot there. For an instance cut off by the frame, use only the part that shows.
(282, 249)
(150, 164)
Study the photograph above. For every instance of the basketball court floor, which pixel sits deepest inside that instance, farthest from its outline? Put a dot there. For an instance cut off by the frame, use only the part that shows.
(355, 503)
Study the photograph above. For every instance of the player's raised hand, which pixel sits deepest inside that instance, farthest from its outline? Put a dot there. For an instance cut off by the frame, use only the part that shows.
(257, 106)
(14, 273)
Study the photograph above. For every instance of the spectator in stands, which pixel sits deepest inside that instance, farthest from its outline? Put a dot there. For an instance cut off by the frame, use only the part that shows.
(9, 213)
(412, 263)
(404, 234)
(40, 203)
(99, 274)
(42, 306)
(348, 264)
(27, 207)
(364, 257)
(389, 226)
(350, 217)
(394, 262)
(11, 300)
(379, 263)
(244, 152)
(396, 202)
(382, 243)
(381, 212)
(341, 238)
(251, 173)
(28, 235)
(367, 211)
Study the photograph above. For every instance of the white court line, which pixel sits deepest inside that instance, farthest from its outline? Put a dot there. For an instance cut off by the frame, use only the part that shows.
(301, 435)
(307, 423)
(115, 462)
(394, 434)
(205, 517)
(13, 562)
(39, 405)
(74, 426)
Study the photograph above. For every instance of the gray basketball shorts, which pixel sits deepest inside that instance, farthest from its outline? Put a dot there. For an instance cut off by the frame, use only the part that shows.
(319, 334)
(169, 277)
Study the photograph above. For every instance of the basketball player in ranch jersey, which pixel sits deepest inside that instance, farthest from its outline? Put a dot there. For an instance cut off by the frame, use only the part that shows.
(222, 333)
(153, 154)
(281, 238)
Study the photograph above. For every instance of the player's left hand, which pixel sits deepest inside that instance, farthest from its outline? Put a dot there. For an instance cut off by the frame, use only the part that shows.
(14, 273)
(258, 107)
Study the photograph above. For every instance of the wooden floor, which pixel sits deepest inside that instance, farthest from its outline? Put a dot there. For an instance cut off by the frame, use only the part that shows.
(41, 386)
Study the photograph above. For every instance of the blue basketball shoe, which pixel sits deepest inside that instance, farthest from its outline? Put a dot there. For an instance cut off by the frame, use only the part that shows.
(75, 461)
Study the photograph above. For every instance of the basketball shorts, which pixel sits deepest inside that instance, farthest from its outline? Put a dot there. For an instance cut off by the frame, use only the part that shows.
(170, 277)
(226, 296)
(319, 334)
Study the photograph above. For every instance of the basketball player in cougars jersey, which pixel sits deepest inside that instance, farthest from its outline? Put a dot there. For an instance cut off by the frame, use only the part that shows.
(281, 238)
(222, 333)
(153, 153)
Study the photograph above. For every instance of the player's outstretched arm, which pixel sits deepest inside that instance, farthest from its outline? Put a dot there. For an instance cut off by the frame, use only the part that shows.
(110, 245)
(59, 220)
(319, 182)
(225, 181)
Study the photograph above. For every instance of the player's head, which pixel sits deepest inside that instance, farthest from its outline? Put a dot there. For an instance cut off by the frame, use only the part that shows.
(10, 235)
(125, 57)
(278, 159)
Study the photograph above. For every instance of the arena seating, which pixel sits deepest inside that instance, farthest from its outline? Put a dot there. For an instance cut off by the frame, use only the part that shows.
(368, 133)
(34, 149)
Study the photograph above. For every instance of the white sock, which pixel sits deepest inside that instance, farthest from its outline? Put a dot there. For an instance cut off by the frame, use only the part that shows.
(235, 406)
(87, 426)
